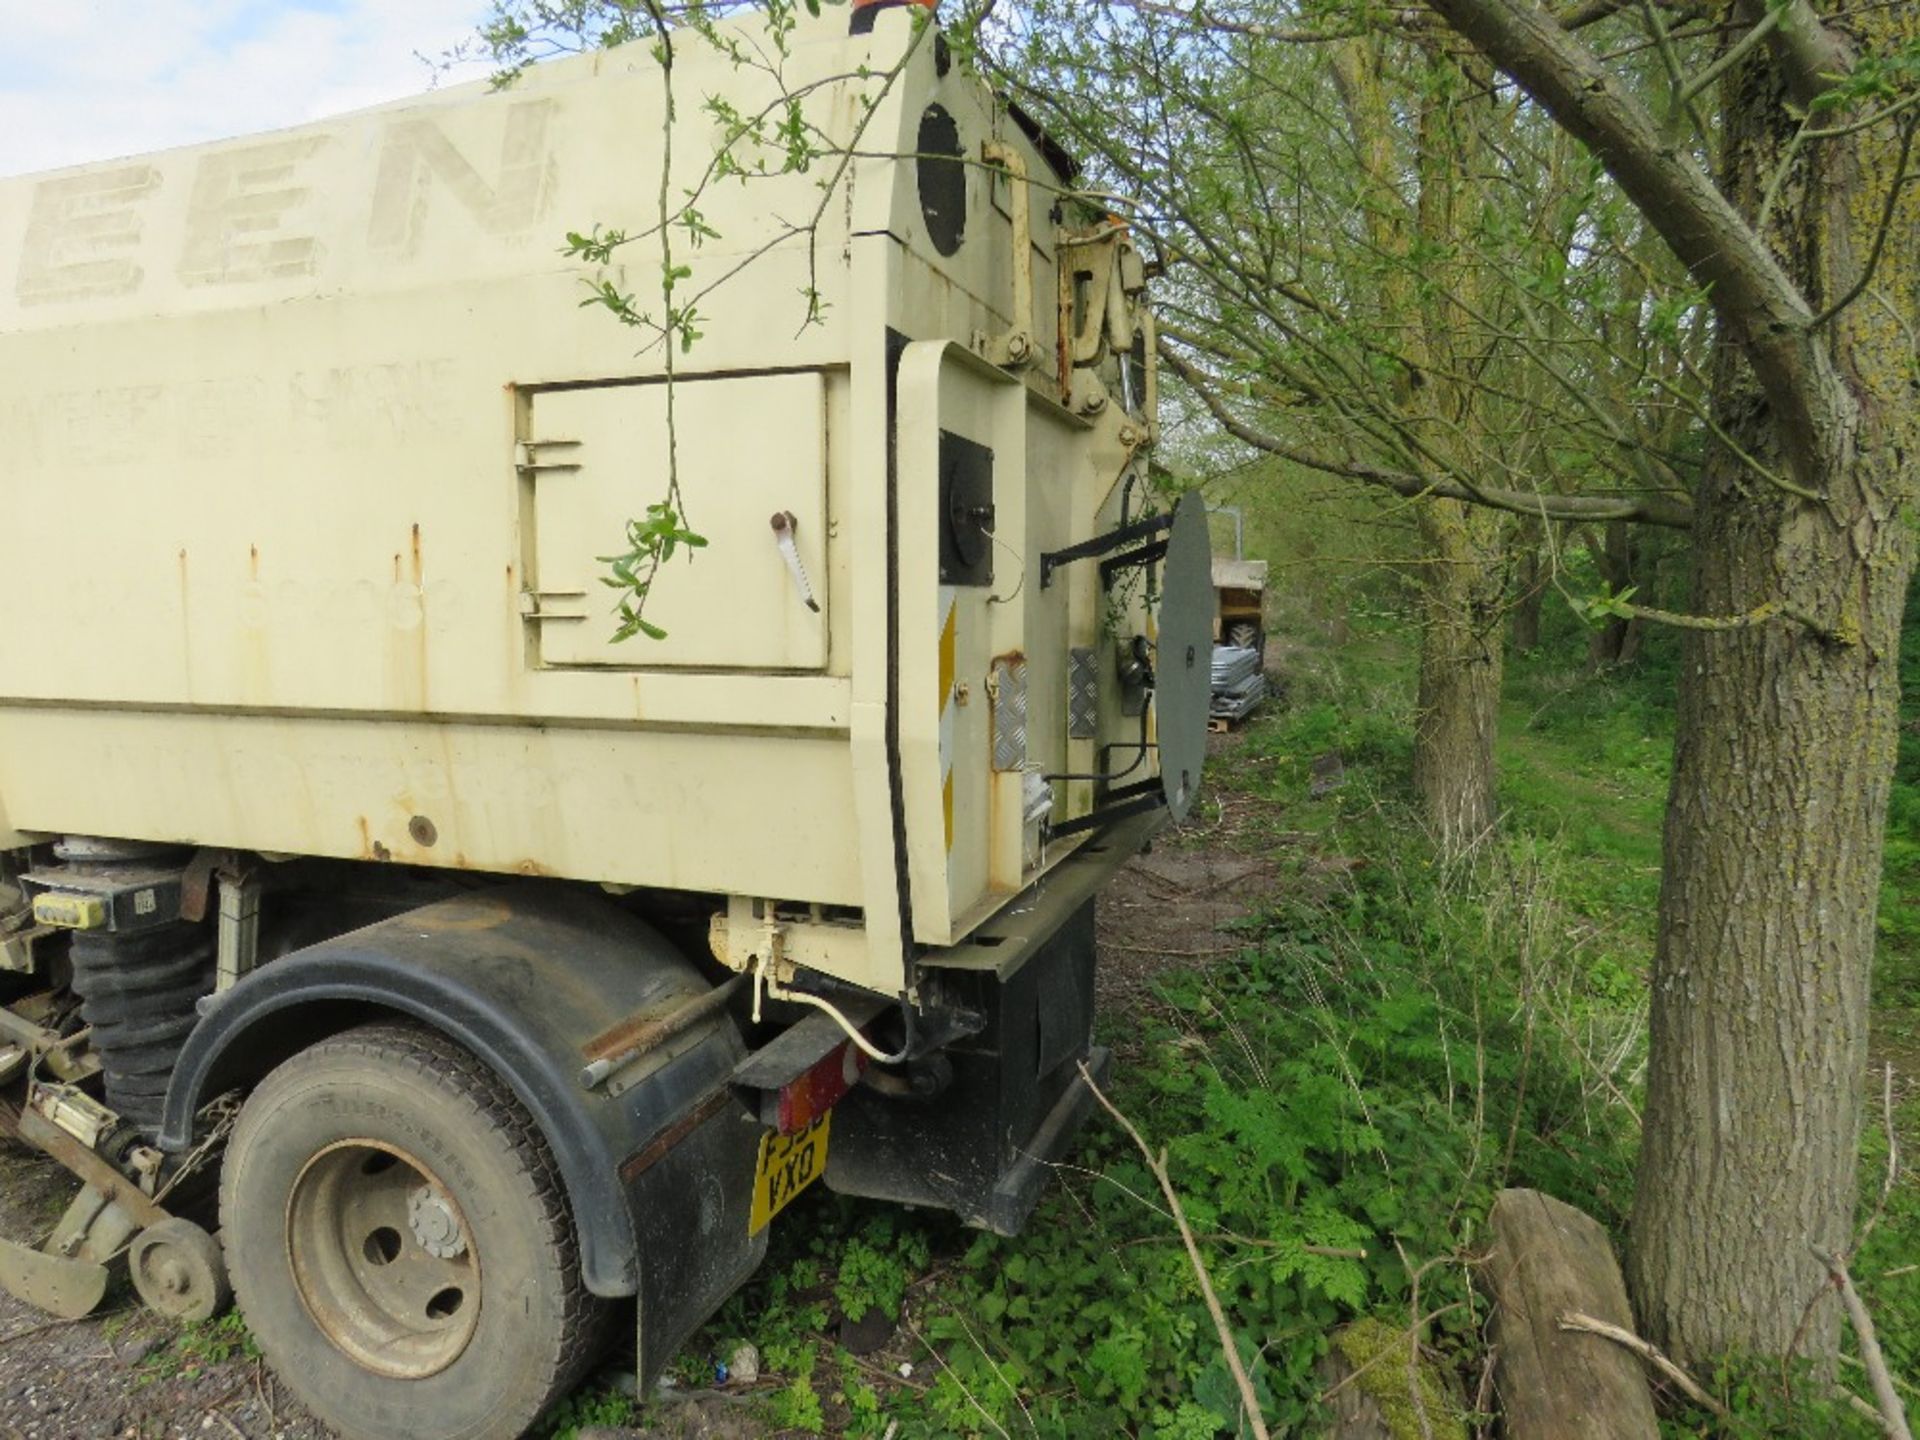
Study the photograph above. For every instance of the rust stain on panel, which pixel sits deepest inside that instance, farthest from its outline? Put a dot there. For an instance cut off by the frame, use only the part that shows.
(643, 1026)
(186, 627)
(420, 630)
(472, 915)
(644, 1159)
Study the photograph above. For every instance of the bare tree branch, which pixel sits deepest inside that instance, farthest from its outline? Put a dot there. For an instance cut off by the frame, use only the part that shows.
(1893, 1414)
(1753, 296)
(1812, 55)
(1586, 1324)
(1647, 509)
(1894, 187)
(1733, 54)
(1591, 12)
(1196, 14)
(1158, 1165)
(1762, 614)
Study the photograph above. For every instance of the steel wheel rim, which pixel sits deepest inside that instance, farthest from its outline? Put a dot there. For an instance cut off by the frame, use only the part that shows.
(383, 1259)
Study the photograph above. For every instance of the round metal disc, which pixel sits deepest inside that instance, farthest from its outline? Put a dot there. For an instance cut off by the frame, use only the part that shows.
(1183, 665)
(178, 1270)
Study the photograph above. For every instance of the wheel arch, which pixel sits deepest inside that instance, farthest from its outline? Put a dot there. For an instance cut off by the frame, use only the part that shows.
(522, 978)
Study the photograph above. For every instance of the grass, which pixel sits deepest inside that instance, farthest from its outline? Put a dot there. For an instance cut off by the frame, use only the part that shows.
(586, 1409)
(201, 1346)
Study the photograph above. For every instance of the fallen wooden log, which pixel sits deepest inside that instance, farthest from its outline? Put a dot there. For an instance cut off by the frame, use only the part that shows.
(1550, 1260)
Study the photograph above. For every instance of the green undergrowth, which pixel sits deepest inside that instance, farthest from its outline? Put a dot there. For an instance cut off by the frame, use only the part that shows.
(1894, 1243)
(1339, 1100)
(1338, 1106)
(1327, 1159)
(1390, 1041)
(587, 1409)
(1584, 759)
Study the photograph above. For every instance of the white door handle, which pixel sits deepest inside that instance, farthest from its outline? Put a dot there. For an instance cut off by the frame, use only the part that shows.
(783, 526)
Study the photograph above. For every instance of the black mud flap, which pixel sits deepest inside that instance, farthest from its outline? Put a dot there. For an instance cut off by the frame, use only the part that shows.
(983, 1148)
(692, 1195)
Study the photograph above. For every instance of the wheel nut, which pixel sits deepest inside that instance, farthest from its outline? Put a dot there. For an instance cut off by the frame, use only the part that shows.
(434, 1223)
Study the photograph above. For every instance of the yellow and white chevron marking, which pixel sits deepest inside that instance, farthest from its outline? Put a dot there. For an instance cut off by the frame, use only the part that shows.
(946, 611)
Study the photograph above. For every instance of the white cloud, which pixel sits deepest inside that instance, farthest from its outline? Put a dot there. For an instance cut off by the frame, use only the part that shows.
(90, 80)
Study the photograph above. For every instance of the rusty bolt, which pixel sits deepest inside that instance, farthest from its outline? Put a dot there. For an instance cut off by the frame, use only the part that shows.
(422, 830)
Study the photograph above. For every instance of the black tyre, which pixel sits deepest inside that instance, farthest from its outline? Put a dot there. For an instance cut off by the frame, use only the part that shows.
(400, 1243)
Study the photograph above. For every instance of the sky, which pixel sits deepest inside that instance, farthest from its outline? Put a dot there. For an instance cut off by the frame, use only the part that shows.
(85, 80)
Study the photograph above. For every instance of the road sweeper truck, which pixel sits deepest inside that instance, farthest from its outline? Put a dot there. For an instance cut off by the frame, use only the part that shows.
(385, 944)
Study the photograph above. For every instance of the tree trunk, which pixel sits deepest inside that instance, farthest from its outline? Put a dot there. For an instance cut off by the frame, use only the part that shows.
(1461, 583)
(1782, 760)
(1458, 709)
(1530, 587)
(1783, 757)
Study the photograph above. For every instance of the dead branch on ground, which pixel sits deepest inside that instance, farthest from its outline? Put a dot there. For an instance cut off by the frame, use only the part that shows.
(1650, 1353)
(1158, 1165)
(1892, 1414)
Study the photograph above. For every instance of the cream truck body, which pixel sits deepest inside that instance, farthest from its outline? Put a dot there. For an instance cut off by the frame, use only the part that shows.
(314, 453)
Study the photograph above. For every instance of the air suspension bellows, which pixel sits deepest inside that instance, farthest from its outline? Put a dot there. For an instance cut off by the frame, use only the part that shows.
(138, 992)
(138, 969)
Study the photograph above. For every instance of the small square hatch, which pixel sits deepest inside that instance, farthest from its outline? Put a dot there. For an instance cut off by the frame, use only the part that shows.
(750, 448)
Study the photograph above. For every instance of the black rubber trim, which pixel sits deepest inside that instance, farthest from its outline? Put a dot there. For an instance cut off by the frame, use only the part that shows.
(1108, 815)
(896, 784)
(1020, 1187)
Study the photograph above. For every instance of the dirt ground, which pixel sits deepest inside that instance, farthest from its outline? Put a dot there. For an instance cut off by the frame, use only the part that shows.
(125, 1374)
(122, 1372)
(1173, 906)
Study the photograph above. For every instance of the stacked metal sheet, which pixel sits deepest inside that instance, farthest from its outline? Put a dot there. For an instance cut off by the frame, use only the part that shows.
(1239, 685)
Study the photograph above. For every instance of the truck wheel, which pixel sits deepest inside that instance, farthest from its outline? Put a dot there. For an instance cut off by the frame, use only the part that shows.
(400, 1242)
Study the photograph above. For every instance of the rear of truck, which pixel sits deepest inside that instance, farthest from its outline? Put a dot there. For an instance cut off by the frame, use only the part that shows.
(467, 969)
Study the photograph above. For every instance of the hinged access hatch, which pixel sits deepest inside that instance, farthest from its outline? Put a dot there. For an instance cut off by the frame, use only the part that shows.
(749, 448)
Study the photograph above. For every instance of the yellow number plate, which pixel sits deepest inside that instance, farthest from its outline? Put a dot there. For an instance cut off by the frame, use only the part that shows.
(788, 1164)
